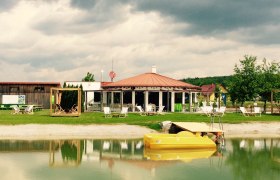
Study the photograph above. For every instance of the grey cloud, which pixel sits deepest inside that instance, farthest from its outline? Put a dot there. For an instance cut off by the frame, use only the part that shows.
(100, 15)
(216, 17)
(89, 4)
(57, 62)
(262, 35)
(7, 4)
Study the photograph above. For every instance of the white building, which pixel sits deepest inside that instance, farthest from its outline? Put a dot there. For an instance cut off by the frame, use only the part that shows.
(92, 92)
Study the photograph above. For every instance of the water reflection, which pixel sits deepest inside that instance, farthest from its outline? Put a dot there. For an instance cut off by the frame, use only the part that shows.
(70, 151)
(185, 155)
(255, 158)
(128, 159)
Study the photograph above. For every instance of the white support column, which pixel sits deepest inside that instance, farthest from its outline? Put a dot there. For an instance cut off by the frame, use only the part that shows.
(121, 98)
(160, 98)
(172, 101)
(146, 96)
(112, 98)
(190, 99)
(183, 101)
(133, 101)
(104, 97)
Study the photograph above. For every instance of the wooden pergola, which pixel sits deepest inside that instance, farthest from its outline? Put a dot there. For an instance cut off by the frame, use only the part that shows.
(55, 100)
(272, 94)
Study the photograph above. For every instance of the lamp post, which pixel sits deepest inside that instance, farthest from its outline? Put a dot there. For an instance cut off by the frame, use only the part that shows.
(102, 71)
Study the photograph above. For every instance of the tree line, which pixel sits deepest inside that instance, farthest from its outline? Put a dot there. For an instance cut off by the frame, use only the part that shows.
(251, 80)
(223, 80)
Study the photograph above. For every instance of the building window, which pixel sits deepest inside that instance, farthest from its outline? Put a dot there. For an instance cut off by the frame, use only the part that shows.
(39, 89)
(14, 89)
(97, 96)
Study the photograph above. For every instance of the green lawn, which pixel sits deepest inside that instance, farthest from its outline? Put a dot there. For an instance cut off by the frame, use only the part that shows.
(42, 117)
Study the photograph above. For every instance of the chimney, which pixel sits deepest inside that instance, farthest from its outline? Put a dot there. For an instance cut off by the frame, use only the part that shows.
(154, 69)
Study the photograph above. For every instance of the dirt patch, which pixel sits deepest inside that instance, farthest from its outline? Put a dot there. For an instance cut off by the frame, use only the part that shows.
(122, 131)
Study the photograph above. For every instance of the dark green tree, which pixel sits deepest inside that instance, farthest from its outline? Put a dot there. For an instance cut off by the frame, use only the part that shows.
(244, 85)
(269, 79)
(89, 77)
(218, 94)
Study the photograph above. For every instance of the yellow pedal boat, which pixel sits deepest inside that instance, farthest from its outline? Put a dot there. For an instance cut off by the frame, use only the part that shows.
(182, 140)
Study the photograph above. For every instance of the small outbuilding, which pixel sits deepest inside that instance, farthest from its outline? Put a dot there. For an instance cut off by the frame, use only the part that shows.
(36, 93)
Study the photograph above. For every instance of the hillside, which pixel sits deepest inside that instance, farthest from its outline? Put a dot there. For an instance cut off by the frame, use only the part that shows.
(208, 80)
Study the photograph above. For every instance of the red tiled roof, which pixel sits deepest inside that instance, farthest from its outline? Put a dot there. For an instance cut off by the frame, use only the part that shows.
(209, 88)
(105, 83)
(29, 83)
(151, 80)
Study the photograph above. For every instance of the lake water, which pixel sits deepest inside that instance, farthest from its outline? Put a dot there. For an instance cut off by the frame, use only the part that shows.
(128, 159)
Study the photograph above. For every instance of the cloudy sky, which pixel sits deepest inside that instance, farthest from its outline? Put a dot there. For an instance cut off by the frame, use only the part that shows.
(58, 40)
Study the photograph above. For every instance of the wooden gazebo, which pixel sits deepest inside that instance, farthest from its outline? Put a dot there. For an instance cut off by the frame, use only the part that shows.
(55, 103)
(151, 88)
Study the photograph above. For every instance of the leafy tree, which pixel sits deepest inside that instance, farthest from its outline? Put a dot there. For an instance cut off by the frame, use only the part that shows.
(269, 79)
(89, 77)
(218, 94)
(245, 82)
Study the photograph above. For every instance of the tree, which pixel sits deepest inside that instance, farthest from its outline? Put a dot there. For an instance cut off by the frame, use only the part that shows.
(269, 79)
(89, 77)
(244, 85)
(218, 95)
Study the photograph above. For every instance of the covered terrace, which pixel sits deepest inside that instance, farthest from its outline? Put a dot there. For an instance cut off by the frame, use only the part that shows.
(151, 88)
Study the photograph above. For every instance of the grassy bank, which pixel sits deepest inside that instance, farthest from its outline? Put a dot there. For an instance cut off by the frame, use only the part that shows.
(42, 117)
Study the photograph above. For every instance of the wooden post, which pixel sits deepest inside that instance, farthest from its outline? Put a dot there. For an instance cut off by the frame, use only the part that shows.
(271, 100)
(51, 95)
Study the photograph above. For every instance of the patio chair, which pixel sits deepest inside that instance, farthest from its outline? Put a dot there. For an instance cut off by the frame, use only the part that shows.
(29, 109)
(141, 111)
(160, 110)
(58, 109)
(107, 112)
(151, 109)
(221, 110)
(207, 110)
(16, 110)
(245, 112)
(257, 111)
(74, 109)
(124, 112)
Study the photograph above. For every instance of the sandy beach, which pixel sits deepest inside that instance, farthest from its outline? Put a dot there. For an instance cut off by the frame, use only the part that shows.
(122, 131)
